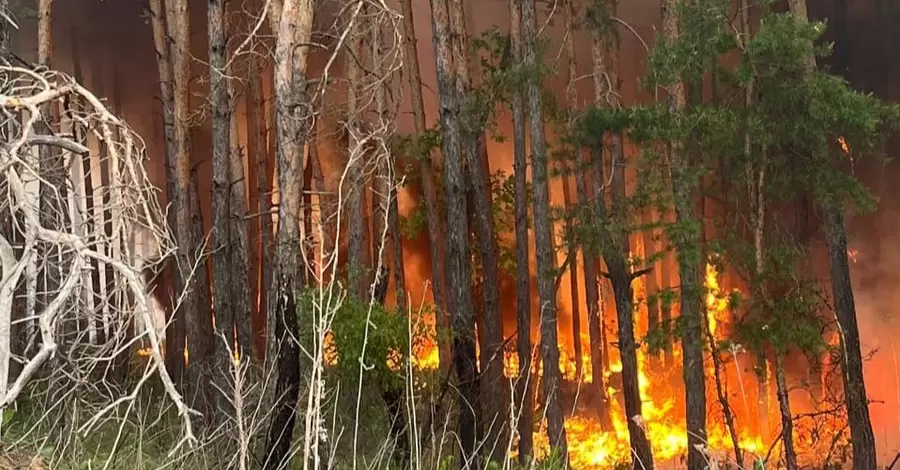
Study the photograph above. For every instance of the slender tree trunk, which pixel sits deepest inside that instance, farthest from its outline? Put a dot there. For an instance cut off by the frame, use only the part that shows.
(426, 175)
(722, 396)
(294, 20)
(53, 187)
(787, 422)
(688, 245)
(87, 179)
(199, 339)
(459, 275)
(493, 384)
(615, 246)
(758, 226)
(543, 238)
(175, 335)
(651, 285)
(237, 226)
(864, 456)
(220, 103)
(524, 399)
(308, 233)
(571, 243)
(256, 145)
(358, 259)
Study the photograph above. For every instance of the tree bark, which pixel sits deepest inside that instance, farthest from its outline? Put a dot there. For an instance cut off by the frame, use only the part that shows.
(199, 341)
(358, 252)
(651, 285)
(615, 246)
(687, 243)
(237, 226)
(524, 399)
(175, 335)
(256, 144)
(220, 103)
(459, 276)
(571, 243)
(294, 19)
(864, 456)
(493, 384)
(426, 175)
(543, 238)
(787, 422)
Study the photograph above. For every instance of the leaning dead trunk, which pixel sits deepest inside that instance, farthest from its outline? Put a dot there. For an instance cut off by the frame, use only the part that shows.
(543, 238)
(294, 19)
(459, 276)
(523, 401)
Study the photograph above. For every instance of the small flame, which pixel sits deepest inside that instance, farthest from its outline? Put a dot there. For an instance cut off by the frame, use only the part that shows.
(852, 254)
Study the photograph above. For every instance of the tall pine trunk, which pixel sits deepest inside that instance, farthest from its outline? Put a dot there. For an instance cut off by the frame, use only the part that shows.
(357, 154)
(493, 384)
(524, 398)
(220, 104)
(687, 244)
(543, 236)
(571, 244)
(459, 275)
(293, 21)
(861, 436)
(256, 158)
(864, 456)
(437, 243)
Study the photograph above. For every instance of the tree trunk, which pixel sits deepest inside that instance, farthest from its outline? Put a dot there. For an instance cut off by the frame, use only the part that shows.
(787, 422)
(92, 278)
(220, 104)
(294, 19)
(651, 285)
(543, 238)
(459, 276)
(175, 335)
(688, 245)
(864, 456)
(571, 243)
(256, 144)
(426, 175)
(240, 289)
(524, 399)
(493, 384)
(615, 246)
(53, 187)
(358, 259)
(309, 241)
